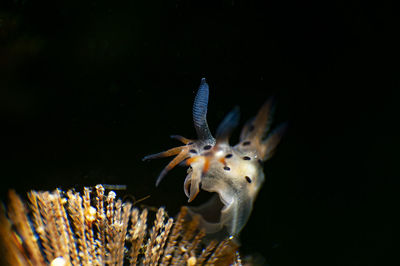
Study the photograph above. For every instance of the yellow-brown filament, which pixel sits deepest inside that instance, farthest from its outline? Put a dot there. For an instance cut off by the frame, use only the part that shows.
(179, 158)
(181, 139)
(261, 120)
(166, 153)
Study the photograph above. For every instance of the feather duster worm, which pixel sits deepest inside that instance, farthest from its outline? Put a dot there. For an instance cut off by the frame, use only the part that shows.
(234, 173)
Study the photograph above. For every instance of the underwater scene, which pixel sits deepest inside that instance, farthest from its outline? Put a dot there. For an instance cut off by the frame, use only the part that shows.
(207, 132)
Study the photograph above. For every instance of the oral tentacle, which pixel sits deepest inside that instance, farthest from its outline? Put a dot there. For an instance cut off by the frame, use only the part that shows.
(186, 185)
(194, 187)
(167, 153)
(181, 139)
(193, 180)
(179, 158)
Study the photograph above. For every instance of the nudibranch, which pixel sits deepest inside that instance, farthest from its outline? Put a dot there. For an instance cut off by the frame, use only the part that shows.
(234, 173)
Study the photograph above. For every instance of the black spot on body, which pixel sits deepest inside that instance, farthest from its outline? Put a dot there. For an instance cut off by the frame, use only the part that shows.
(248, 179)
(226, 168)
(246, 143)
(207, 147)
(246, 158)
(193, 151)
(190, 143)
(228, 155)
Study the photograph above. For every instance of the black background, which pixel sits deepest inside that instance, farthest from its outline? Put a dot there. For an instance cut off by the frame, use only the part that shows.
(87, 88)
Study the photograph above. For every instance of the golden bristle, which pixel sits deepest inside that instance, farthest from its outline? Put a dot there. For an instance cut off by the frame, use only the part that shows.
(67, 228)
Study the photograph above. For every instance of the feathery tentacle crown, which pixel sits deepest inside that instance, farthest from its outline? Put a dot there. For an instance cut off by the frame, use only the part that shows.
(234, 173)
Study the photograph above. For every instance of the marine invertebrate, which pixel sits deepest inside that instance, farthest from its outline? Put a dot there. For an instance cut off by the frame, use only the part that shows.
(67, 228)
(234, 173)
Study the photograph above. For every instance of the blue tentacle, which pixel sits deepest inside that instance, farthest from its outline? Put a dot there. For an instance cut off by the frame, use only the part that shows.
(200, 112)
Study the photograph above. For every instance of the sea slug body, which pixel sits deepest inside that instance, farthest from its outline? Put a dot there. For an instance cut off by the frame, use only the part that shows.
(234, 173)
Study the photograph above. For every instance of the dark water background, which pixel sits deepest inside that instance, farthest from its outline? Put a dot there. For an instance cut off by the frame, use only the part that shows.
(87, 88)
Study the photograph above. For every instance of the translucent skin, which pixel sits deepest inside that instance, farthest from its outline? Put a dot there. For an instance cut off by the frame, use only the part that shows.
(234, 173)
(227, 177)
